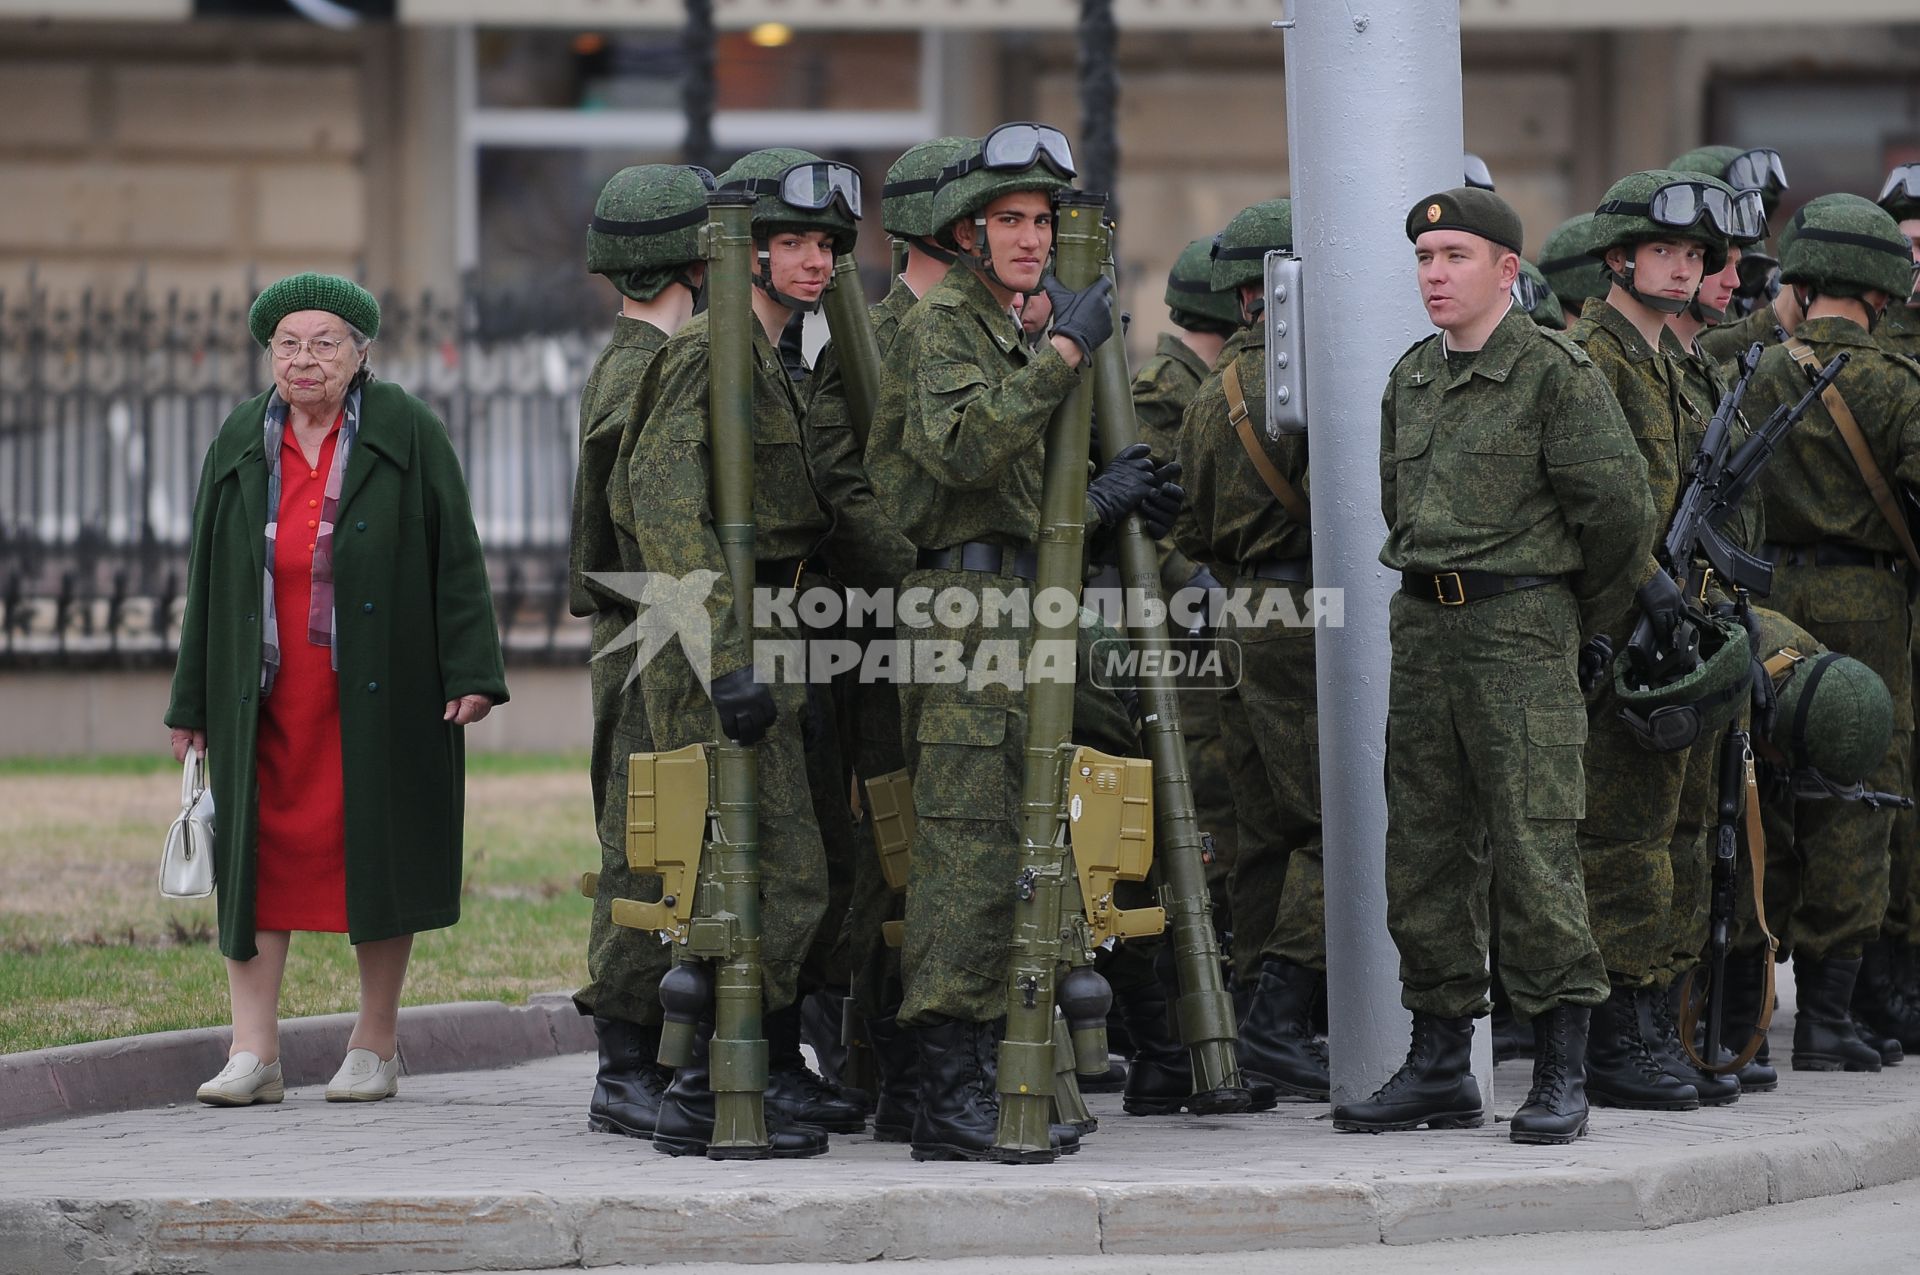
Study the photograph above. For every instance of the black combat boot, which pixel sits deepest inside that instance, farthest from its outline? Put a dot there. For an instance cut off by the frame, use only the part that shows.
(1555, 1111)
(1434, 1087)
(1277, 1043)
(1746, 984)
(1823, 1035)
(1878, 1001)
(1621, 1070)
(899, 1065)
(685, 1123)
(795, 1091)
(1160, 1071)
(626, 1092)
(1887, 1047)
(1662, 1034)
(958, 1112)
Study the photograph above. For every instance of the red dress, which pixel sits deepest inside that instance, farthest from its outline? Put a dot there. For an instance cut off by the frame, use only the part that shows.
(301, 874)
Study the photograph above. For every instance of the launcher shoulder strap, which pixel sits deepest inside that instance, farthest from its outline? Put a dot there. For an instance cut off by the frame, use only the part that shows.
(1283, 491)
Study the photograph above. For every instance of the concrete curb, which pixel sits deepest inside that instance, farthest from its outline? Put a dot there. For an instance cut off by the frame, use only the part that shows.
(166, 1067)
(365, 1235)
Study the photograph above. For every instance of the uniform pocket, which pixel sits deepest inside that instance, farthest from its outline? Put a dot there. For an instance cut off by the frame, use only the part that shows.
(961, 773)
(1498, 472)
(1555, 786)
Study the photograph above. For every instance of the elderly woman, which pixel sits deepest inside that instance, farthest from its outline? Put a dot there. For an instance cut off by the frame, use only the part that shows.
(338, 635)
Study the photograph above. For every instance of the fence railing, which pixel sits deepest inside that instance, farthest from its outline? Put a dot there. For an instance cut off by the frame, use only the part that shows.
(107, 407)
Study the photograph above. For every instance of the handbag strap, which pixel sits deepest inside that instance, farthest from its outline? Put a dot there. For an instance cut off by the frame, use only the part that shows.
(192, 781)
(1276, 481)
(1843, 420)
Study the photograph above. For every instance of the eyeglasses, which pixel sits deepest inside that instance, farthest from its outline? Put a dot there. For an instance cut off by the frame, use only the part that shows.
(1742, 216)
(1478, 175)
(1753, 169)
(814, 186)
(1529, 293)
(1015, 146)
(1904, 179)
(324, 348)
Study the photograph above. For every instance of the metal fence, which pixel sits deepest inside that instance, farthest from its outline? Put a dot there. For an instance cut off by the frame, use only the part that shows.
(107, 407)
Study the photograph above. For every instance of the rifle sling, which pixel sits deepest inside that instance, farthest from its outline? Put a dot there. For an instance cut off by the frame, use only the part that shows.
(1757, 874)
(1283, 491)
(1843, 420)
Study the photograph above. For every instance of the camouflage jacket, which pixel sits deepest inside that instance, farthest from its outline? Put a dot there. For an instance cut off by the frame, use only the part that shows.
(1813, 490)
(1231, 517)
(1898, 331)
(868, 551)
(1521, 464)
(609, 417)
(1162, 388)
(672, 476)
(1726, 343)
(958, 443)
(1646, 384)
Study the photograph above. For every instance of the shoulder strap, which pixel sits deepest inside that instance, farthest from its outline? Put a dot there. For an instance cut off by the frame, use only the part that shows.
(1690, 1004)
(1283, 491)
(1862, 458)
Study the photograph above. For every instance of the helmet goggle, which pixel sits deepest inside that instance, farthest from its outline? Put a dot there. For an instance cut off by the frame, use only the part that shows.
(814, 186)
(1683, 204)
(1478, 175)
(1905, 180)
(1753, 169)
(1529, 293)
(1012, 147)
(705, 176)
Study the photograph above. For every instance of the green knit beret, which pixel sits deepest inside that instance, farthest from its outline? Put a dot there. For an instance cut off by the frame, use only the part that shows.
(1478, 212)
(311, 291)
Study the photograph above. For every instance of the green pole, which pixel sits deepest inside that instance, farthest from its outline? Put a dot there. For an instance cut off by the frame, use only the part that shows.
(1026, 1061)
(738, 1052)
(853, 344)
(1205, 1009)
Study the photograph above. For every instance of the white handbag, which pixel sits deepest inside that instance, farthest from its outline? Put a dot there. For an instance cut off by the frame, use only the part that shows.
(186, 863)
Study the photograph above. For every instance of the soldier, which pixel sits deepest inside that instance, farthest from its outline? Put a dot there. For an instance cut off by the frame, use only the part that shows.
(1899, 328)
(1843, 560)
(1532, 293)
(870, 554)
(804, 211)
(1657, 234)
(644, 237)
(1518, 515)
(1569, 268)
(1758, 305)
(956, 456)
(1247, 519)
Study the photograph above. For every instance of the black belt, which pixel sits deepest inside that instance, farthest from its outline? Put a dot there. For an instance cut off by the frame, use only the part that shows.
(977, 555)
(778, 573)
(1832, 553)
(1287, 570)
(1457, 588)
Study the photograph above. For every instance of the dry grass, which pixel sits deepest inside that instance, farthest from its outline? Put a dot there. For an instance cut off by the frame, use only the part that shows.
(89, 950)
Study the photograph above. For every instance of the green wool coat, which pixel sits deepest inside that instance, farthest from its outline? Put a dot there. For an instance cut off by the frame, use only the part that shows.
(416, 630)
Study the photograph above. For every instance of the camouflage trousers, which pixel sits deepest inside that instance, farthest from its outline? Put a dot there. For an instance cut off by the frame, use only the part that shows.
(624, 966)
(875, 708)
(829, 962)
(1902, 924)
(1828, 862)
(793, 862)
(1211, 774)
(1626, 844)
(1275, 890)
(1484, 792)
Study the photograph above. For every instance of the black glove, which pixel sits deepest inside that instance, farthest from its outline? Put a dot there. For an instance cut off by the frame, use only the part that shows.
(1158, 510)
(1084, 317)
(746, 707)
(1596, 663)
(1662, 603)
(1203, 617)
(1121, 485)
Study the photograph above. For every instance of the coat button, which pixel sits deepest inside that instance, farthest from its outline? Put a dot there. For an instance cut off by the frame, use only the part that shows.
(249, 616)
(243, 697)
(372, 687)
(360, 526)
(367, 607)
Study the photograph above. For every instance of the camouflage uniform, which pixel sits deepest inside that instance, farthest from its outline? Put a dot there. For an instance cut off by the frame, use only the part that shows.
(674, 530)
(1898, 332)
(1726, 343)
(1633, 795)
(1233, 520)
(956, 455)
(624, 966)
(1815, 496)
(1517, 461)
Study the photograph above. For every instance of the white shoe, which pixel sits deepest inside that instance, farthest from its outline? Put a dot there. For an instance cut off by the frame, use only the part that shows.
(363, 1077)
(243, 1081)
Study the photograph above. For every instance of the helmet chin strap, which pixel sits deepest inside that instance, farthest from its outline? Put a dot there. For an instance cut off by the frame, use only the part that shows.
(764, 281)
(981, 259)
(1665, 305)
(932, 249)
(1705, 313)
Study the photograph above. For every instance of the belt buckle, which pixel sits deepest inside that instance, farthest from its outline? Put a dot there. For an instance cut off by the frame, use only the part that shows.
(1440, 589)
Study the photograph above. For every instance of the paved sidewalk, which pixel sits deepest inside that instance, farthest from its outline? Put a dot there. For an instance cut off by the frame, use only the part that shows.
(495, 1170)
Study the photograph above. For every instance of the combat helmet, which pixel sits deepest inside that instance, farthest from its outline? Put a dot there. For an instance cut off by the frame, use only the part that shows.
(1569, 267)
(1012, 158)
(1532, 293)
(1844, 246)
(1240, 251)
(1758, 169)
(1662, 203)
(906, 201)
(796, 190)
(1833, 715)
(1900, 193)
(645, 231)
(1191, 297)
(1671, 716)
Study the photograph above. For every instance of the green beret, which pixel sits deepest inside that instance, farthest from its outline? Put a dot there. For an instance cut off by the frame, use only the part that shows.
(1478, 212)
(310, 291)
